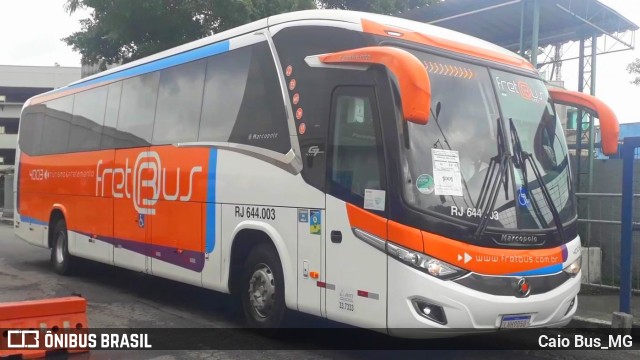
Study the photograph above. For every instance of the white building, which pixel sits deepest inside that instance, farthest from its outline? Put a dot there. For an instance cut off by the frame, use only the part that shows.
(17, 84)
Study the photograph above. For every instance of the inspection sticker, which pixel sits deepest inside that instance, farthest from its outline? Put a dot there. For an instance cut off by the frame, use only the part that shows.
(303, 215)
(315, 222)
(446, 172)
(374, 199)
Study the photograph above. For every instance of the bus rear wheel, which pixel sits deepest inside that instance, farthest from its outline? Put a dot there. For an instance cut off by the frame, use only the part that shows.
(63, 263)
(262, 291)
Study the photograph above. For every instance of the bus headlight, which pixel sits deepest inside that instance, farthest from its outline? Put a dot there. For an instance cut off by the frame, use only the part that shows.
(425, 263)
(574, 268)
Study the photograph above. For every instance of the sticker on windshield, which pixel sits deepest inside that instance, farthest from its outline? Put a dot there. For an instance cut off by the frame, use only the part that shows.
(425, 184)
(374, 199)
(446, 172)
(523, 198)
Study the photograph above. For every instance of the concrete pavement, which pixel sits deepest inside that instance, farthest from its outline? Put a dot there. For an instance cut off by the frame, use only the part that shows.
(596, 306)
(122, 299)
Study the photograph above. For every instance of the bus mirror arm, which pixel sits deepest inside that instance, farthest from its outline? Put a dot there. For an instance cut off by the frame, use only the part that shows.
(609, 126)
(409, 72)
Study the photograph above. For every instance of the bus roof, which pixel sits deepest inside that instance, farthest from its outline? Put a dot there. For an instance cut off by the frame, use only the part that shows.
(366, 22)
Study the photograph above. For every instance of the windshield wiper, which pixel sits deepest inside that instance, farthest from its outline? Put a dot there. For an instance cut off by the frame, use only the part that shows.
(490, 181)
(523, 157)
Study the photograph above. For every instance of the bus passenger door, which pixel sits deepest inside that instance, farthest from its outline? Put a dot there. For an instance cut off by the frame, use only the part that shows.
(133, 173)
(356, 264)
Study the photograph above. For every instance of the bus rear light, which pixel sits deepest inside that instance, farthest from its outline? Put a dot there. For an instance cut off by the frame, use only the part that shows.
(425, 263)
(430, 311)
(574, 268)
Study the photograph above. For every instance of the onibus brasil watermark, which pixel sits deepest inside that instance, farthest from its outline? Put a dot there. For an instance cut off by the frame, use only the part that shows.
(37, 339)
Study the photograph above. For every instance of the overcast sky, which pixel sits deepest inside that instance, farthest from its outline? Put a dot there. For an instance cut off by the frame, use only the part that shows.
(31, 32)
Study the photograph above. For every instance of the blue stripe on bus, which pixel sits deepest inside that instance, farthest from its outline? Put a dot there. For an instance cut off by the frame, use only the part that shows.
(160, 64)
(32, 220)
(547, 270)
(210, 232)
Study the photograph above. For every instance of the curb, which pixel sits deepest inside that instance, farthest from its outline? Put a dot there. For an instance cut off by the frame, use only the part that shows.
(585, 322)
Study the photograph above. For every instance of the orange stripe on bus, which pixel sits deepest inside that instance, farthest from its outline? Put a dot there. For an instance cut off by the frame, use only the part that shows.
(406, 236)
(366, 221)
(375, 28)
(489, 261)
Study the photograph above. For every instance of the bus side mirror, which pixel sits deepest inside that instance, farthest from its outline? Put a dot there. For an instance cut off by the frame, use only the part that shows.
(410, 73)
(609, 126)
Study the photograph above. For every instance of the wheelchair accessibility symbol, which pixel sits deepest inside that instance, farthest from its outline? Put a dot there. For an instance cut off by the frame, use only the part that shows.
(523, 200)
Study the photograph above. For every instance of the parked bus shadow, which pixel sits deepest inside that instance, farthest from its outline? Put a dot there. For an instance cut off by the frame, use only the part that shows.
(222, 318)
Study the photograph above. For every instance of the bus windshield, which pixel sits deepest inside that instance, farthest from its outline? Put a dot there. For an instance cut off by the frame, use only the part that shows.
(450, 164)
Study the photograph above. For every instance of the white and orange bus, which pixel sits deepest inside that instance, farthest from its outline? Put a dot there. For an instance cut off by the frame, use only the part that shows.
(367, 169)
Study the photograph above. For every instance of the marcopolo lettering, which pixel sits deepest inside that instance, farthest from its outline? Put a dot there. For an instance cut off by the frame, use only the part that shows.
(507, 239)
(147, 173)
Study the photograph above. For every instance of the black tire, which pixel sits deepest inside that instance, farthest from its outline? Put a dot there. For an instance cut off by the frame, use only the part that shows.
(63, 263)
(264, 311)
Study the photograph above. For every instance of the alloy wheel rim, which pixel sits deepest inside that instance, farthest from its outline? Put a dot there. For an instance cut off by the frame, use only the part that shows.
(262, 291)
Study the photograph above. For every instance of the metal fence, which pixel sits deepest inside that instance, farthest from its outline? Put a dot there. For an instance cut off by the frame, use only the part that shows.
(609, 221)
(601, 239)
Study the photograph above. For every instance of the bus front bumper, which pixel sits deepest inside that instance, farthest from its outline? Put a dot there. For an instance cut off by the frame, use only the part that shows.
(461, 310)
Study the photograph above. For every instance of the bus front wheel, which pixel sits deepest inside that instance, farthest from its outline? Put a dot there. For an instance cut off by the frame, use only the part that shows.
(63, 262)
(263, 288)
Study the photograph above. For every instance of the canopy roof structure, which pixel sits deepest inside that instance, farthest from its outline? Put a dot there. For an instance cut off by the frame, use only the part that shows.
(516, 24)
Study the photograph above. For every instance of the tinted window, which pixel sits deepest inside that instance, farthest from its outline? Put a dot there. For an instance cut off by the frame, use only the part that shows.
(109, 132)
(223, 93)
(355, 164)
(137, 109)
(31, 126)
(88, 117)
(57, 125)
(179, 103)
(242, 88)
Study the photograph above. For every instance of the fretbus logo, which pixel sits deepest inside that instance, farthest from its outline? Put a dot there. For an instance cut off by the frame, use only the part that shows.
(145, 183)
(521, 88)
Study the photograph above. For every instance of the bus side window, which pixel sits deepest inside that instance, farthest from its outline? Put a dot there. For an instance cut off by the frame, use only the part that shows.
(57, 125)
(355, 151)
(31, 128)
(179, 103)
(88, 118)
(243, 101)
(137, 109)
(109, 133)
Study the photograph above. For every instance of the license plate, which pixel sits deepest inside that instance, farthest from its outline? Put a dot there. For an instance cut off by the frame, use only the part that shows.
(515, 321)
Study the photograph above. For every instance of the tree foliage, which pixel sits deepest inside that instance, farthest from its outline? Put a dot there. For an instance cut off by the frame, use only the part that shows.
(376, 6)
(634, 69)
(119, 31)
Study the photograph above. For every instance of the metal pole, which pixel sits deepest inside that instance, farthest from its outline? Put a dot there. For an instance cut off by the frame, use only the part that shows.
(535, 33)
(626, 256)
(592, 131)
(579, 119)
(522, 12)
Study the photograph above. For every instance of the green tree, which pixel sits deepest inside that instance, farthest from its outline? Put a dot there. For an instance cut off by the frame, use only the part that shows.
(388, 7)
(120, 31)
(634, 69)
